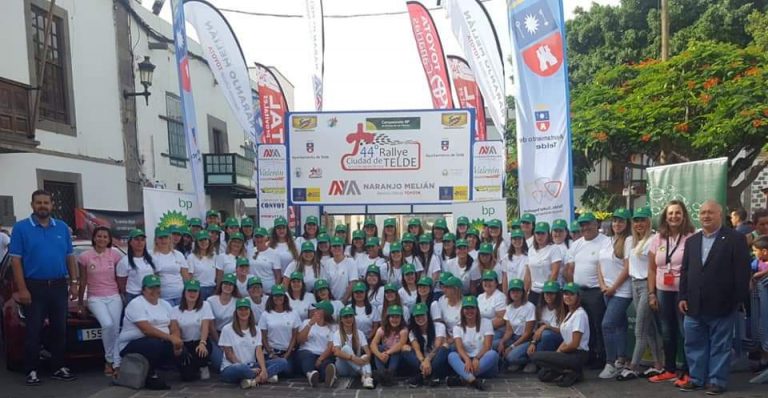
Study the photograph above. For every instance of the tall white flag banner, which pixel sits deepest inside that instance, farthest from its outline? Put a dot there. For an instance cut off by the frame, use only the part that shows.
(166, 207)
(315, 19)
(537, 29)
(477, 37)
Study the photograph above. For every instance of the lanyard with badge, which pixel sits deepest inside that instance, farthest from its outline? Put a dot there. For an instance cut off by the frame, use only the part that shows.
(669, 277)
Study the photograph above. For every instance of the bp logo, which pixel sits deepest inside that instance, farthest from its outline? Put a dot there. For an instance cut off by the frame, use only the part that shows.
(173, 218)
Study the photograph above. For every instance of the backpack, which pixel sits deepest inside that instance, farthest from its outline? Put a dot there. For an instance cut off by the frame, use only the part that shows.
(133, 371)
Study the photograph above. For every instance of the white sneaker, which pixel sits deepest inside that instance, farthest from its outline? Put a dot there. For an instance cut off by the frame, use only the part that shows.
(205, 374)
(313, 378)
(247, 383)
(368, 382)
(272, 380)
(330, 375)
(609, 372)
(530, 368)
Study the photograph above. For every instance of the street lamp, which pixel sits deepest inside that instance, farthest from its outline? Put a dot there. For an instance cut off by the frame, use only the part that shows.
(146, 69)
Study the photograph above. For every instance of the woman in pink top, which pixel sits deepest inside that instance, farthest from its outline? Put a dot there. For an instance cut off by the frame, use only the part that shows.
(665, 258)
(97, 274)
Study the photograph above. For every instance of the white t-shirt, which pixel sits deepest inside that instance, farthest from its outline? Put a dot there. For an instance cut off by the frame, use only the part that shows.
(258, 309)
(416, 263)
(564, 255)
(203, 269)
(514, 268)
(439, 332)
(307, 270)
(408, 299)
(222, 314)
(362, 263)
(226, 263)
(540, 265)
(318, 339)
(465, 274)
(576, 322)
(363, 341)
(585, 255)
(190, 320)
(243, 346)
(135, 276)
(300, 240)
(364, 321)
(302, 307)
(488, 306)
(638, 264)
(264, 267)
(451, 316)
(168, 267)
(518, 317)
(475, 274)
(284, 254)
(5, 240)
(611, 267)
(138, 310)
(242, 287)
(549, 317)
(378, 297)
(393, 275)
(279, 327)
(472, 339)
(437, 248)
(339, 275)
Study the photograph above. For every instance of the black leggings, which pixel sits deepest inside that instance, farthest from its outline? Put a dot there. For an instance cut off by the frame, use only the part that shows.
(561, 361)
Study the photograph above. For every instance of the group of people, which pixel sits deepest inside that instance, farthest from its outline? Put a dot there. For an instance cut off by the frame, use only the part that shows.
(439, 306)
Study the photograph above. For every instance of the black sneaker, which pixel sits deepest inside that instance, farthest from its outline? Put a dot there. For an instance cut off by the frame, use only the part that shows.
(479, 385)
(32, 379)
(416, 381)
(715, 390)
(64, 374)
(156, 383)
(569, 379)
(689, 387)
(548, 375)
(434, 382)
(453, 381)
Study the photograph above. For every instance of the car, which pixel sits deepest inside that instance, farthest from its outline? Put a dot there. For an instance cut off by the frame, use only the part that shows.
(83, 333)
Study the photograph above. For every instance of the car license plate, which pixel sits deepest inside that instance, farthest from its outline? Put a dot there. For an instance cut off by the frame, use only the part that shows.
(89, 334)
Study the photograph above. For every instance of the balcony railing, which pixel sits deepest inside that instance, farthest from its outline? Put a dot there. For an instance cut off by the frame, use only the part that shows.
(229, 171)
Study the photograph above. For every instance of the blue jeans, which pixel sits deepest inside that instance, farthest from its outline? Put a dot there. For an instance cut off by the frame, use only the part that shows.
(345, 368)
(439, 363)
(304, 362)
(671, 329)
(489, 366)
(519, 355)
(216, 354)
(615, 327)
(49, 301)
(392, 363)
(207, 291)
(239, 371)
(708, 348)
(762, 291)
(497, 335)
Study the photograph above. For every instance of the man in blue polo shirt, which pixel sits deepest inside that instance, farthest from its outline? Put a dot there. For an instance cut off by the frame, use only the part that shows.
(42, 259)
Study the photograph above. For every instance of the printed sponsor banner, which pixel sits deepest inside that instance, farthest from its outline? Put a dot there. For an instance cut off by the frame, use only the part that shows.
(317, 34)
(119, 222)
(488, 170)
(271, 159)
(541, 99)
(272, 105)
(187, 103)
(165, 207)
(478, 40)
(380, 157)
(468, 92)
(480, 211)
(431, 54)
(692, 183)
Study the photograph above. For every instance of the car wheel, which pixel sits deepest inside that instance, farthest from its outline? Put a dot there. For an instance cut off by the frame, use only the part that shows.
(11, 364)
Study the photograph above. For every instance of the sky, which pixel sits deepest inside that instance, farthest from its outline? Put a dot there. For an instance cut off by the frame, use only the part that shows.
(371, 63)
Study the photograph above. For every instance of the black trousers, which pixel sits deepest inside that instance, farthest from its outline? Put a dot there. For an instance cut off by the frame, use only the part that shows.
(561, 361)
(594, 304)
(159, 353)
(49, 301)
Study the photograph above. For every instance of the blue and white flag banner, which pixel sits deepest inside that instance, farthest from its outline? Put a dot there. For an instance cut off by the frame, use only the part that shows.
(189, 117)
(537, 31)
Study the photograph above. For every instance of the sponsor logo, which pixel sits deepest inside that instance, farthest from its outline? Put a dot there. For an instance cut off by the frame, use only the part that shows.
(310, 147)
(272, 205)
(271, 153)
(487, 188)
(536, 32)
(377, 151)
(444, 145)
(332, 122)
(304, 122)
(445, 193)
(344, 188)
(315, 172)
(454, 120)
(544, 190)
(299, 194)
(313, 194)
(487, 150)
(461, 193)
(542, 120)
(276, 191)
(298, 173)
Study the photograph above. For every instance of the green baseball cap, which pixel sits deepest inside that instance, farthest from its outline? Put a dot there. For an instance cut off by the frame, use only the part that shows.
(280, 222)
(372, 241)
(347, 311)
(586, 217)
(408, 237)
(414, 222)
(214, 228)
(241, 261)
(440, 223)
(253, 281)
(409, 268)
(490, 275)
(428, 235)
(516, 284)
(175, 229)
(516, 233)
(296, 276)
(622, 213)
(307, 247)
(231, 222)
(443, 277)
(551, 287)
(229, 278)
(202, 235)
(322, 230)
(341, 228)
(390, 287)
(462, 220)
(453, 281)
(278, 290)
(425, 239)
(212, 213)
(642, 212)
(192, 285)
(395, 310)
(424, 281)
(185, 230)
(449, 237)
(420, 309)
(237, 235)
(485, 248)
(135, 233)
(528, 217)
(311, 220)
(195, 222)
(337, 241)
(359, 287)
(559, 225)
(575, 227)
(246, 222)
(259, 232)
(369, 221)
(395, 247)
(541, 228)
(390, 222)
(572, 288)
(323, 238)
(243, 303)
(495, 223)
(473, 231)
(516, 223)
(150, 280)
(324, 305)
(373, 268)
(358, 234)
(321, 284)
(462, 243)
(469, 301)
(161, 232)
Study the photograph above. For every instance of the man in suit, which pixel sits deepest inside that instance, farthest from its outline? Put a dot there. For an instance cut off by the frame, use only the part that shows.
(714, 283)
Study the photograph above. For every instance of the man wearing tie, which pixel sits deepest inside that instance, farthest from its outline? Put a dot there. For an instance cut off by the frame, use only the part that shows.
(714, 282)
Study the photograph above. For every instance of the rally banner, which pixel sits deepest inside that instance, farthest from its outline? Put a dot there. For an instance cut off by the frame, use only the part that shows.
(271, 160)
(225, 58)
(189, 117)
(431, 54)
(541, 105)
(119, 222)
(692, 183)
(488, 170)
(479, 212)
(166, 208)
(468, 93)
(477, 37)
(317, 35)
(380, 157)
(272, 105)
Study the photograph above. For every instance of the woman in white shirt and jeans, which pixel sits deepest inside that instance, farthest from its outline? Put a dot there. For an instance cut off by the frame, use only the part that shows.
(474, 357)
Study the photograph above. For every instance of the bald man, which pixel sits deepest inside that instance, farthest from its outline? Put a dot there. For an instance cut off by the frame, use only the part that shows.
(714, 283)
